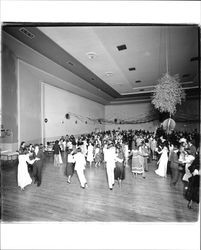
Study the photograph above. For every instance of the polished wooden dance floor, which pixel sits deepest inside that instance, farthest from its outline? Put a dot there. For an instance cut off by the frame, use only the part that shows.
(138, 200)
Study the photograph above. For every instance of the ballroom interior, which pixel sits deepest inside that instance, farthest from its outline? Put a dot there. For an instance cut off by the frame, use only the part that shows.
(73, 79)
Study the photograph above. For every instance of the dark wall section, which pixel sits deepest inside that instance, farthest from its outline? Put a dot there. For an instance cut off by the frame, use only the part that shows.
(9, 95)
(29, 104)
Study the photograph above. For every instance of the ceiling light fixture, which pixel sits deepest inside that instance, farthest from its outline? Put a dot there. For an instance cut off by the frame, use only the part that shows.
(137, 81)
(121, 47)
(131, 69)
(91, 55)
(70, 63)
(109, 74)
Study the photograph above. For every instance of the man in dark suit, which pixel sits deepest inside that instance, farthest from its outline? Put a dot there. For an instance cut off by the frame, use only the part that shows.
(174, 166)
(38, 165)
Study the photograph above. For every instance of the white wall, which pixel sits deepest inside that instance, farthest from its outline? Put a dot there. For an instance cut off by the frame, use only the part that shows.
(58, 102)
(129, 111)
(126, 111)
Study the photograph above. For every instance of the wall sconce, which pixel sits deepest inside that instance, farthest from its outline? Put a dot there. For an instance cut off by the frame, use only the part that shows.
(45, 120)
(75, 122)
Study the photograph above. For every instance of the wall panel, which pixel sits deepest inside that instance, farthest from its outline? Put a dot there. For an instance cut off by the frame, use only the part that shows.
(58, 103)
(9, 99)
(29, 104)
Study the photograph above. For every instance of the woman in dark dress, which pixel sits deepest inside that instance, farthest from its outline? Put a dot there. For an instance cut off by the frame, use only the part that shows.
(119, 171)
(70, 165)
(57, 151)
(192, 194)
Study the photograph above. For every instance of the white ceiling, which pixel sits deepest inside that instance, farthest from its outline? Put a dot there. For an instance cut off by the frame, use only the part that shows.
(146, 51)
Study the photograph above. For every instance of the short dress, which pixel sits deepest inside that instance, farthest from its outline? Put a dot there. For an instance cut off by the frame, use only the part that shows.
(70, 165)
(97, 155)
(119, 171)
(137, 166)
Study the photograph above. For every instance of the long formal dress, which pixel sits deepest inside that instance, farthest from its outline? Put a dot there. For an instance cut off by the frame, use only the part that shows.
(126, 154)
(90, 157)
(23, 177)
(163, 161)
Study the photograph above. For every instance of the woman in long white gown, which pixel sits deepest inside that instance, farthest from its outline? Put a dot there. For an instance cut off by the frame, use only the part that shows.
(90, 155)
(163, 161)
(23, 177)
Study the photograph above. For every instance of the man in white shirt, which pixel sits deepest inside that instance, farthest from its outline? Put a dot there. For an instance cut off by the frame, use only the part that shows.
(80, 164)
(110, 159)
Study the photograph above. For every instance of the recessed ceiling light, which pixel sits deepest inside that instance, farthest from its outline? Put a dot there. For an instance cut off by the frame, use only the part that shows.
(109, 73)
(92, 79)
(91, 55)
(131, 69)
(121, 47)
(70, 63)
(119, 84)
(137, 81)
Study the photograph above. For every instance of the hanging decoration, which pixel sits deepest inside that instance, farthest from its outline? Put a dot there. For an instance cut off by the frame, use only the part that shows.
(141, 118)
(169, 125)
(168, 93)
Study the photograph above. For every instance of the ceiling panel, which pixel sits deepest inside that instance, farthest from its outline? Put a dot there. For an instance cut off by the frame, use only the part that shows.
(150, 49)
(90, 52)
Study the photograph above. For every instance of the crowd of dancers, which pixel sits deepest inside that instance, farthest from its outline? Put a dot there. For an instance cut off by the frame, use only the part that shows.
(176, 154)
